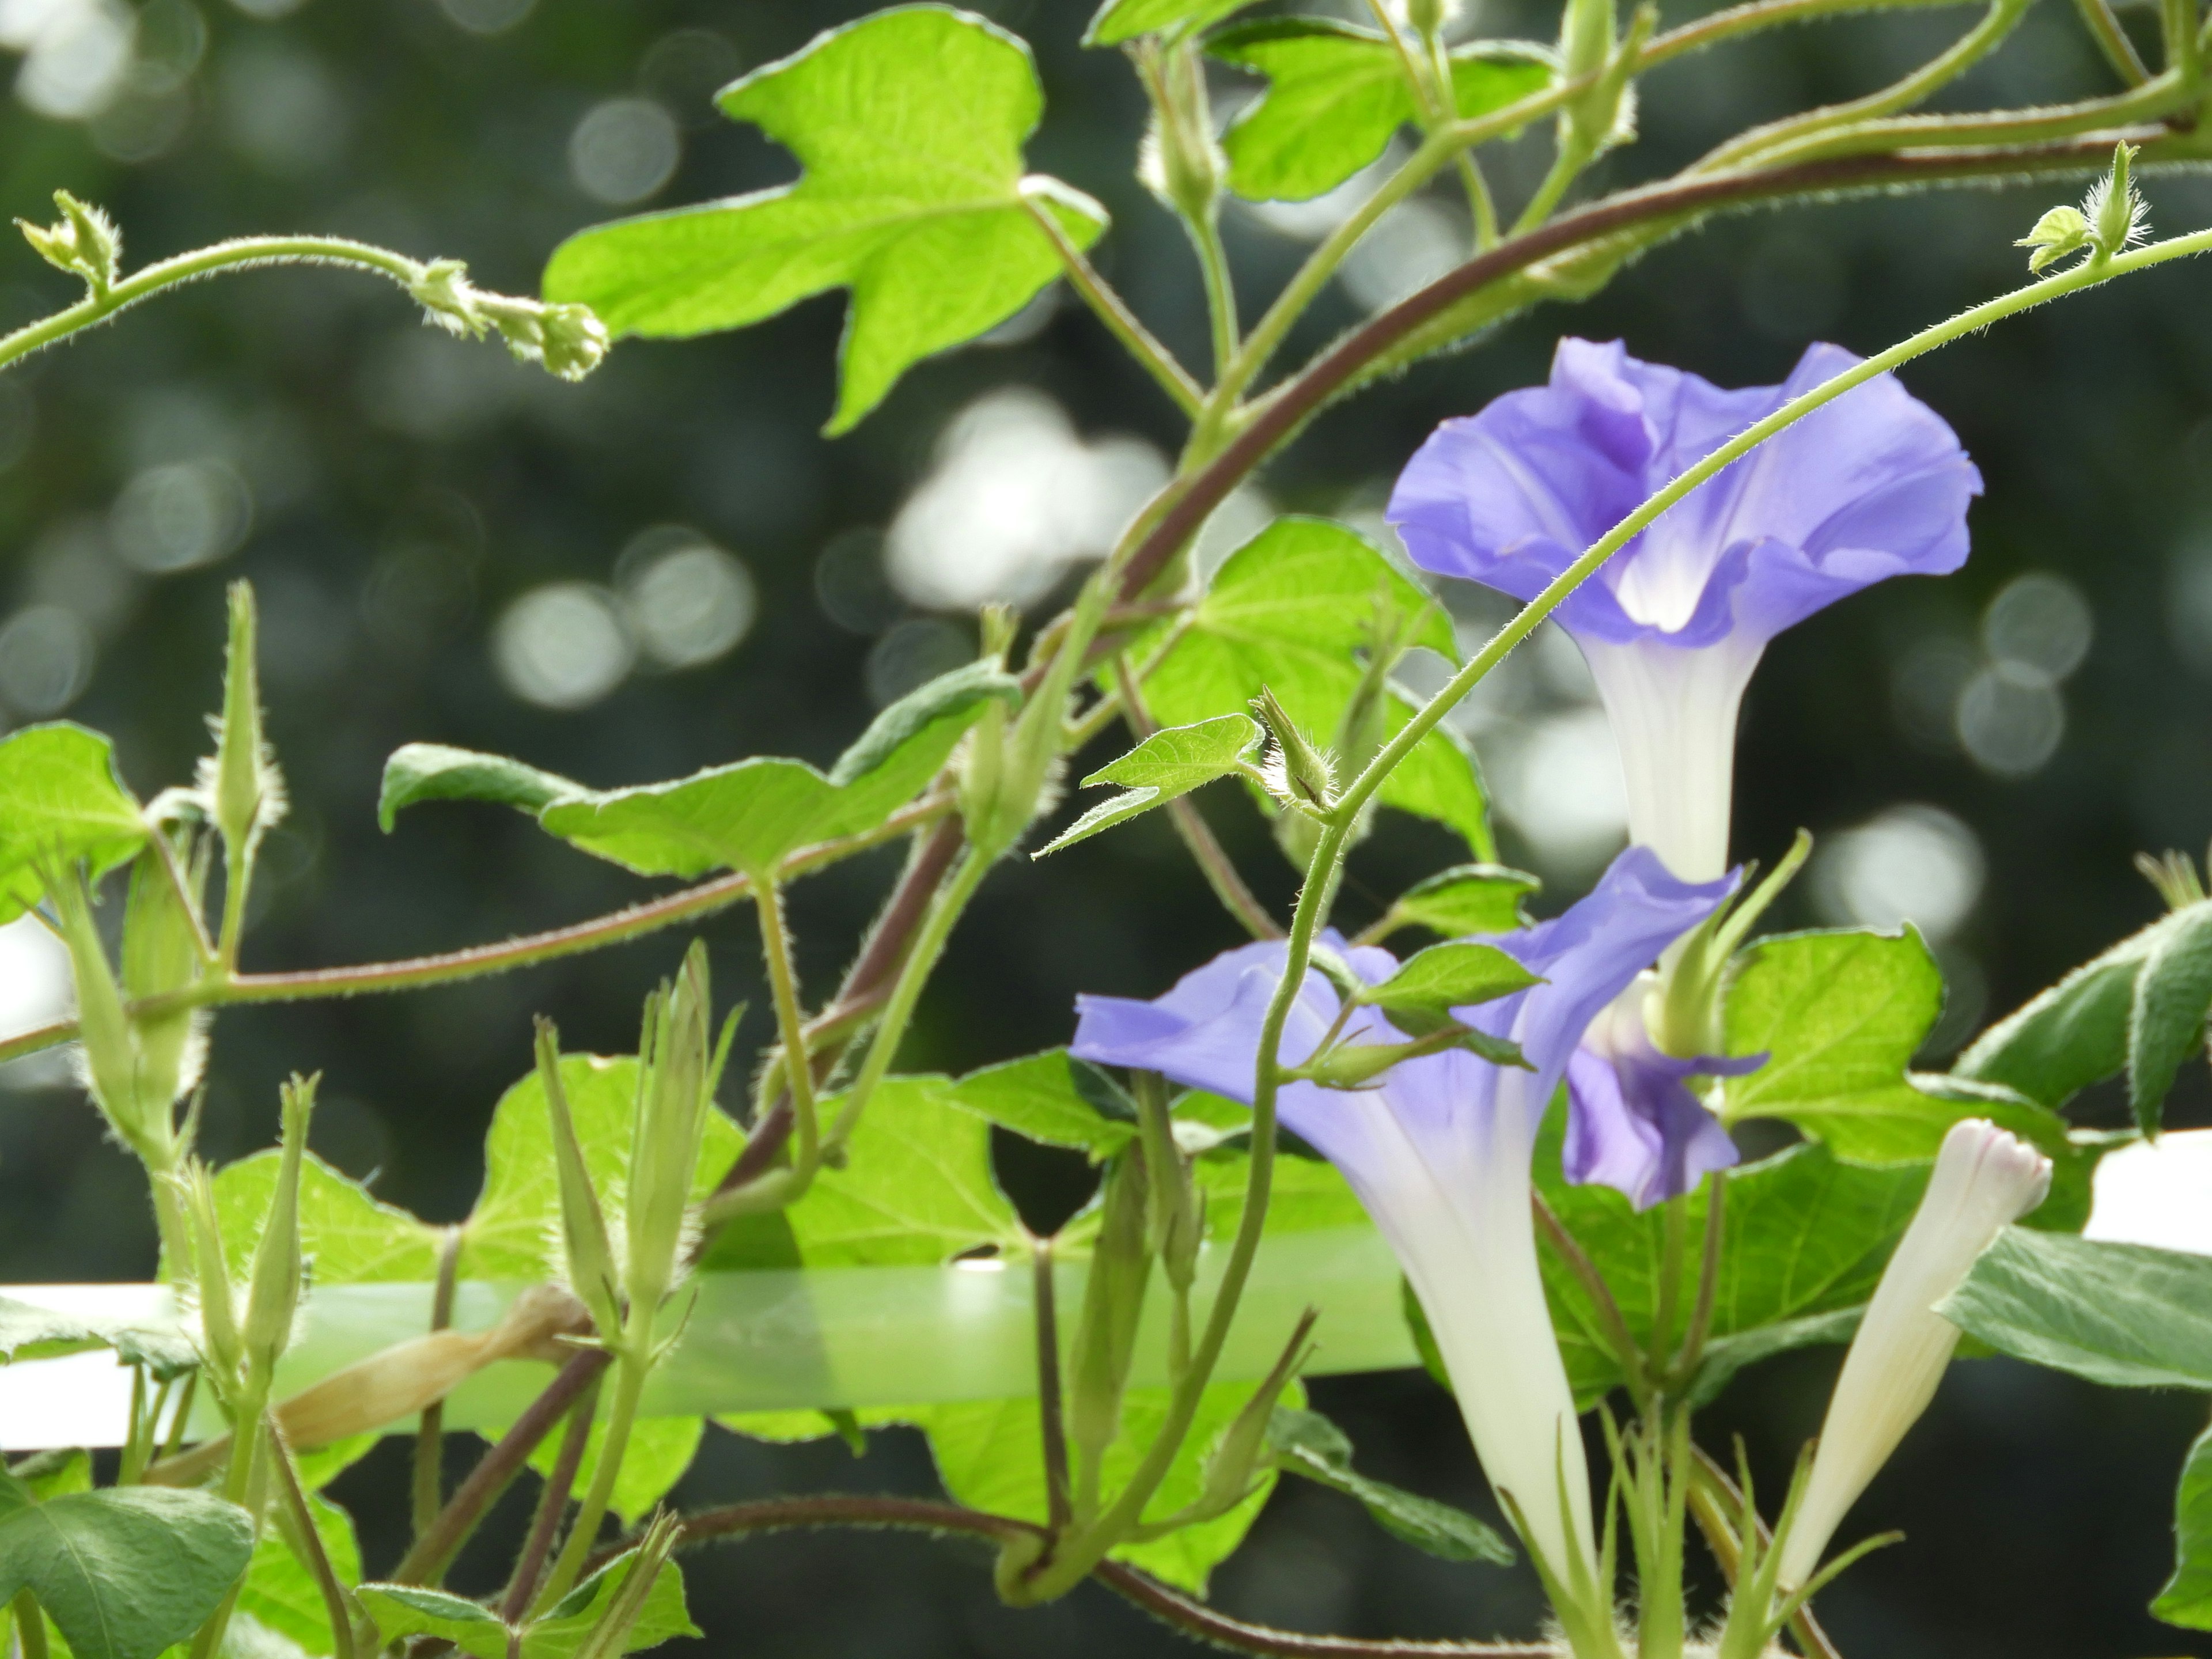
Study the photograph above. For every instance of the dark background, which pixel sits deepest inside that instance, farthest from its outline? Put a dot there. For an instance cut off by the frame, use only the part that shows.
(406, 489)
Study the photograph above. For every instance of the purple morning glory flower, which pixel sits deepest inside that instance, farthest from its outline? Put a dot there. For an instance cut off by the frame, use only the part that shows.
(1872, 485)
(1439, 1150)
(1635, 1125)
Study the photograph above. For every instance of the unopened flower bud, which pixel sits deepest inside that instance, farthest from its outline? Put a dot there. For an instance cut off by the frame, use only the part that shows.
(222, 1345)
(2113, 208)
(1427, 18)
(243, 791)
(1113, 1301)
(108, 1050)
(164, 951)
(678, 1068)
(273, 1301)
(1238, 1456)
(1985, 1179)
(589, 1251)
(1296, 771)
(1182, 162)
(83, 241)
(1175, 1215)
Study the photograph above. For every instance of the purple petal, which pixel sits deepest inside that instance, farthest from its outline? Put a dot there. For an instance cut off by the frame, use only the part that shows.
(1588, 954)
(1634, 1125)
(1872, 485)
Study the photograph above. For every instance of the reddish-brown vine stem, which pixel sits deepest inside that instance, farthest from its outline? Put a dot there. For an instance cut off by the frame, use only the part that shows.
(1193, 1618)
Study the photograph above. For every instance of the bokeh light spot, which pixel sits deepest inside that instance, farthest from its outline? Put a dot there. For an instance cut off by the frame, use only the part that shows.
(689, 601)
(2038, 626)
(2010, 722)
(623, 150)
(563, 646)
(1015, 499)
(1913, 863)
(47, 656)
(176, 517)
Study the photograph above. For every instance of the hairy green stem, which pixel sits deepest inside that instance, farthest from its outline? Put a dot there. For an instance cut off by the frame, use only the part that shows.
(631, 1368)
(243, 253)
(1112, 310)
(2112, 40)
(1794, 138)
(420, 973)
(791, 1027)
(1737, 21)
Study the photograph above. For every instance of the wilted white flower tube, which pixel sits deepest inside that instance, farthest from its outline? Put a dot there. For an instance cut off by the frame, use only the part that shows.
(1983, 1180)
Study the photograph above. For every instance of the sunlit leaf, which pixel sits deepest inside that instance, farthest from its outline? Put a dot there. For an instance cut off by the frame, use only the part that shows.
(1455, 975)
(749, 815)
(2124, 1315)
(433, 771)
(1289, 611)
(1468, 898)
(1055, 1099)
(2075, 1033)
(1840, 1017)
(1336, 95)
(1165, 766)
(1805, 1240)
(60, 801)
(909, 125)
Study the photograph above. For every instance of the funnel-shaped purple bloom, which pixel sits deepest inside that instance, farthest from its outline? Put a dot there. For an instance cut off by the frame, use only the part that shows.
(1439, 1150)
(1872, 485)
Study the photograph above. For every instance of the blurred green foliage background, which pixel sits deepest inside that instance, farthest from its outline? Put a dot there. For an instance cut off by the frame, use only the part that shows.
(668, 568)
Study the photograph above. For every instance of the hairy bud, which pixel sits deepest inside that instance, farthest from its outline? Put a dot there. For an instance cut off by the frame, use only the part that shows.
(1113, 1301)
(584, 1239)
(1238, 1456)
(273, 1297)
(568, 341)
(243, 791)
(1181, 163)
(678, 1065)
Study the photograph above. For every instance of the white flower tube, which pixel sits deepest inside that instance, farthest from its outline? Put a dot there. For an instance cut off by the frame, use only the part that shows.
(1983, 1180)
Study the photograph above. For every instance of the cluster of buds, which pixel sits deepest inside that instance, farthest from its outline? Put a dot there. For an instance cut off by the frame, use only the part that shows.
(83, 241)
(625, 1275)
(568, 341)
